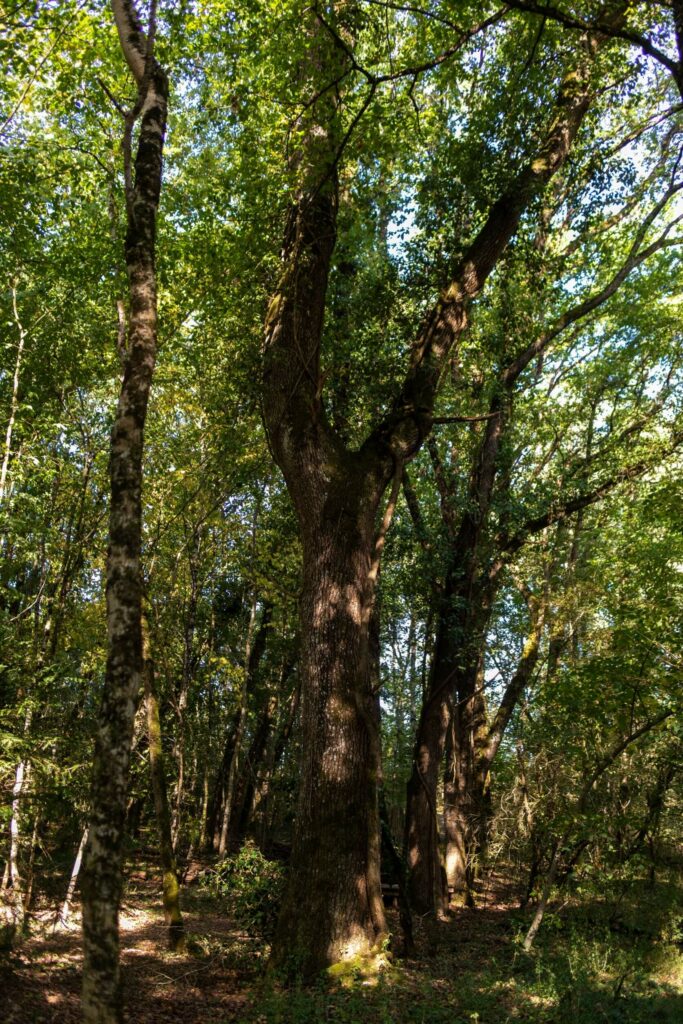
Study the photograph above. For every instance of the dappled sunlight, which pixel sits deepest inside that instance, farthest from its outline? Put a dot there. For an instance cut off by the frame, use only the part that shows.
(207, 983)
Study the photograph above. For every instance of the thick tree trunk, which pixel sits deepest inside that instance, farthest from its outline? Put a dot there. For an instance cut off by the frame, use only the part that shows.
(335, 865)
(466, 790)
(102, 872)
(336, 494)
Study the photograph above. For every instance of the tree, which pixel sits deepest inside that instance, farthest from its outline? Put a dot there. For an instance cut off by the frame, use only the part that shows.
(102, 866)
(334, 891)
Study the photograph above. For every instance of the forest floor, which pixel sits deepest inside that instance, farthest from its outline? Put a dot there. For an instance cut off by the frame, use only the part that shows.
(589, 966)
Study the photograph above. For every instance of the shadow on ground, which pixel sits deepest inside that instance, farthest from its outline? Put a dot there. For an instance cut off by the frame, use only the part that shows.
(40, 981)
(470, 971)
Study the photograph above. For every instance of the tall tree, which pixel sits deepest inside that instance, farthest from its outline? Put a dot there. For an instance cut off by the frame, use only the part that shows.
(102, 868)
(333, 907)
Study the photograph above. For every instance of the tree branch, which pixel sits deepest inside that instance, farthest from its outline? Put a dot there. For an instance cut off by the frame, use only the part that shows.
(510, 545)
(409, 421)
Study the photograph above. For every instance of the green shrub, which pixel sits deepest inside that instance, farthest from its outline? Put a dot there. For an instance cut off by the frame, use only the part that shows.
(252, 886)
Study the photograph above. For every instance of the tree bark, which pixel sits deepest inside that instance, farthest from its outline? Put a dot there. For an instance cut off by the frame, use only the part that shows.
(249, 672)
(467, 595)
(14, 406)
(335, 865)
(101, 882)
(333, 907)
(169, 870)
(476, 741)
(62, 920)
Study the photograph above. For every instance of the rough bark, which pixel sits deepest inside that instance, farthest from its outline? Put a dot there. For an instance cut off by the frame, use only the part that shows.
(101, 880)
(333, 907)
(335, 865)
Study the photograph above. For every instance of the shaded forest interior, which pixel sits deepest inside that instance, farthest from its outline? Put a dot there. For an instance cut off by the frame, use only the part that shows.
(341, 549)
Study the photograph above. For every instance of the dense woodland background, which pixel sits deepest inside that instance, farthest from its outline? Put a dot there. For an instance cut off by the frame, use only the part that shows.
(522, 652)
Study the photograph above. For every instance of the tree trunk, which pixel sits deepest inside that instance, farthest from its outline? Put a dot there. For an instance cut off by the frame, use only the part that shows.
(14, 925)
(422, 841)
(185, 683)
(333, 908)
(277, 749)
(474, 743)
(169, 870)
(335, 865)
(7, 453)
(62, 920)
(102, 873)
(228, 807)
(466, 792)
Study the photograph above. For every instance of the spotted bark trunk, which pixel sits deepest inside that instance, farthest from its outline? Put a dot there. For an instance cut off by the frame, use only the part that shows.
(101, 881)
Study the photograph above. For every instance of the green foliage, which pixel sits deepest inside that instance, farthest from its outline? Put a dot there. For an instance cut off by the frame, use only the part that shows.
(417, 175)
(586, 970)
(252, 887)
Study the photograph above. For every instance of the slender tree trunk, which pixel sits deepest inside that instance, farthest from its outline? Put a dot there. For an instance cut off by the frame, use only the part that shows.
(169, 870)
(466, 786)
(183, 690)
(472, 751)
(65, 912)
(14, 405)
(204, 816)
(102, 872)
(239, 732)
(555, 873)
(30, 869)
(422, 840)
(15, 881)
(277, 749)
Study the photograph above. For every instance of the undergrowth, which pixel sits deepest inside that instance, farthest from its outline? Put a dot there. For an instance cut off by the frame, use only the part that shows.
(602, 959)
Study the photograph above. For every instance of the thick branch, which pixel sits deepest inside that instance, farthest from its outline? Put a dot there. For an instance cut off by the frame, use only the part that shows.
(407, 424)
(607, 28)
(131, 36)
(513, 691)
